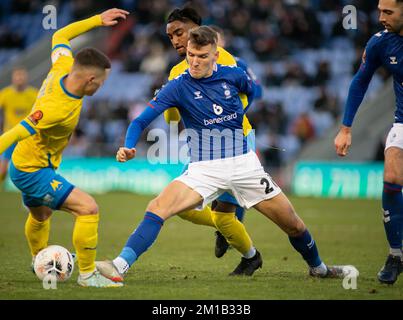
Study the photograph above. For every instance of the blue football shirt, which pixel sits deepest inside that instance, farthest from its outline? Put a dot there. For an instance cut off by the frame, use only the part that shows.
(211, 110)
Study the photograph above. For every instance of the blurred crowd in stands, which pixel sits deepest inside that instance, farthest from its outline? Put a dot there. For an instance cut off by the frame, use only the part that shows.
(298, 49)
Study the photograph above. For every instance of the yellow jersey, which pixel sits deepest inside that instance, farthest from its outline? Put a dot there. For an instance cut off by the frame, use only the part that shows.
(16, 105)
(224, 58)
(56, 111)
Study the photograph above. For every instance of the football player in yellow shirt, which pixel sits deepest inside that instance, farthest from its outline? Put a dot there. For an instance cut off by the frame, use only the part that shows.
(42, 137)
(16, 101)
(223, 218)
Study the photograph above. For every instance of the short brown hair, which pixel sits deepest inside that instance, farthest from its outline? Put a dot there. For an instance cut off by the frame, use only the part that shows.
(91, 57)
(217, 29)
(203, 36)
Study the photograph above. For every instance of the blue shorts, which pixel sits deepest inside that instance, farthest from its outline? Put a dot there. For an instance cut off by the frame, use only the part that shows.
(9, 152)
(41, 188)
(228, 197)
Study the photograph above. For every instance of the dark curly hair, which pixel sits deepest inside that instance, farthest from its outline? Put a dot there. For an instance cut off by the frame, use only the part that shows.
(185, 14)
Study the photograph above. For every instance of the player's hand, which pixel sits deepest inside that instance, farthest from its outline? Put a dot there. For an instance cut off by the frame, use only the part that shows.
(125, 154)
(342, 142)
(110, 17)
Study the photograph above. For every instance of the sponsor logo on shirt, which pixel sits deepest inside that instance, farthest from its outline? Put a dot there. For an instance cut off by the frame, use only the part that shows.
(393, 60)
(198, 95)
(217, 109)
(228, 117)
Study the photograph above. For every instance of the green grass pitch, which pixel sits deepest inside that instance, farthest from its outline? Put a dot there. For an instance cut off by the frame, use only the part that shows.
(181, 264)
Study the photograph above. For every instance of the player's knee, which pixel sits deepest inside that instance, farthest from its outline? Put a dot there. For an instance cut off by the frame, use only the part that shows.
(296, 229)
(224, 207)
(155, 206)
(392, 177)
(42, 215)
(89, 208)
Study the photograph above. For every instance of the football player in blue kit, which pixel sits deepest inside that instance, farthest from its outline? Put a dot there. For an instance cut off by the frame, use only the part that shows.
(206, 95)
(384, 49)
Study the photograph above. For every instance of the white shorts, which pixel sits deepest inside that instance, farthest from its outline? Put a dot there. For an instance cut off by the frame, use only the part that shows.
(395, 136)
(243, 176)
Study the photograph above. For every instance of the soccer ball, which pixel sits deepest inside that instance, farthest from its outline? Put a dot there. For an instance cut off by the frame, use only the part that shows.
(55, 261)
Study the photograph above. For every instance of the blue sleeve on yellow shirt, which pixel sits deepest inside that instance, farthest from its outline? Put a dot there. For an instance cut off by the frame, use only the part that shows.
(28, 127)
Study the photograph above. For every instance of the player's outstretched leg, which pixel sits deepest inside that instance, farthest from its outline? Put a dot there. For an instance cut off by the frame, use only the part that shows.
(85, 239)
(139, 242)
(281, 212)
(176, 197)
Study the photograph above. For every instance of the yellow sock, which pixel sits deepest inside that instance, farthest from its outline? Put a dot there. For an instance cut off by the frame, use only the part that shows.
(37, 234)
(233, 231)
(202, 217)
(85, 239)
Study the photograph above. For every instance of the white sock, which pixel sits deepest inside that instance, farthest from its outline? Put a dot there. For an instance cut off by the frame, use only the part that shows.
(250, 254)
(396, 252)
(320, 269)
(121, 264)
(86, 275)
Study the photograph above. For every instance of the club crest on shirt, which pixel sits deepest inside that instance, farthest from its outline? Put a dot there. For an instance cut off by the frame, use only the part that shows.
(35, 117)
(227, 91)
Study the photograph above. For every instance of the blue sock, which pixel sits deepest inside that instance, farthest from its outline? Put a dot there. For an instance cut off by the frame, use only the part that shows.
(239, 212)
(392, 204)
(142, 238)
(306, 246)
